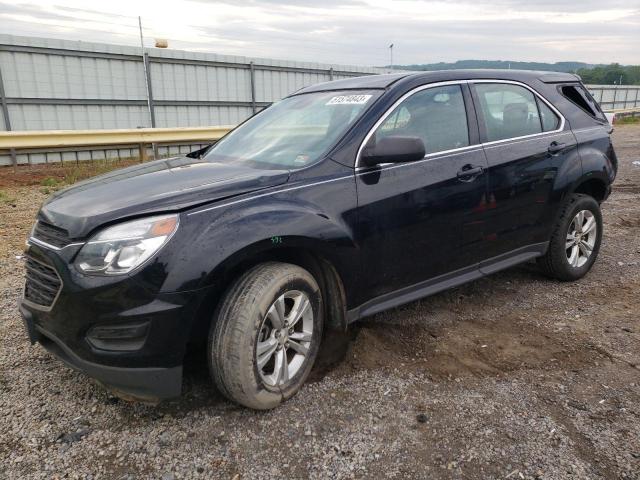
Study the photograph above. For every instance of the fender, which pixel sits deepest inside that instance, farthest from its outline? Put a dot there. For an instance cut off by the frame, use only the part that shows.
(318, 217)
(598, 159)
(597, 154)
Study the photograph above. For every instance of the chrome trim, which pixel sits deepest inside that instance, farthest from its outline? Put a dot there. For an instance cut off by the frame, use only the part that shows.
(48, 246)
(587, 129)
(55, 299)
(460, 82)
(427, 157)
(526, 138)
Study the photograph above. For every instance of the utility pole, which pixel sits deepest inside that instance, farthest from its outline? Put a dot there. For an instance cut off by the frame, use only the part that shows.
(391, 56)
(147, 87)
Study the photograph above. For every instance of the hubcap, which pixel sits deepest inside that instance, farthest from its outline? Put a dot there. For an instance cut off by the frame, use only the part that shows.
(284, 338)
(581, 238)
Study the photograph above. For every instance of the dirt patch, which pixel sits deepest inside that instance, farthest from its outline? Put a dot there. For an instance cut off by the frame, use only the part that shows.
(58, 173)
(466, 348)
(627, 187)
(512, 376)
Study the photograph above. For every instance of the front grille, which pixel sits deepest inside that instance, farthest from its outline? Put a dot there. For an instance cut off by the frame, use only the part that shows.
(42, 284)
(45, 232)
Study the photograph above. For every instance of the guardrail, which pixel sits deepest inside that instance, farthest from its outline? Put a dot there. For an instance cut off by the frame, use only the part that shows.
(625, 112)
(29, 142)
(140, 138)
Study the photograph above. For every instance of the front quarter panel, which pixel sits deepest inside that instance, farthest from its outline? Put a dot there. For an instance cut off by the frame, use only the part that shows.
(311, 212)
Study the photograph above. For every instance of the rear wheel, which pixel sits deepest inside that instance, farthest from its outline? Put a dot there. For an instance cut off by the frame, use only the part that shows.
(575, 241)
(266, 336)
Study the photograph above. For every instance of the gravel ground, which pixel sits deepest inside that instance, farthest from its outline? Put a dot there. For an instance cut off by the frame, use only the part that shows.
(512, 376)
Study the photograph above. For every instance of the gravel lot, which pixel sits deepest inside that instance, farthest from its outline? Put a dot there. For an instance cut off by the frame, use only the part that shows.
(513, 376)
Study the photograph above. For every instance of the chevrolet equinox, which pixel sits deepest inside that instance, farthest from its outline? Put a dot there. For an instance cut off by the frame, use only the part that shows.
(344, 199)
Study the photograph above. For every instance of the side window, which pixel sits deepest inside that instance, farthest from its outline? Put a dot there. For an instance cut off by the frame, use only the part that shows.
(550, 121)
(435, 115)
(508, 110)
(582, 98)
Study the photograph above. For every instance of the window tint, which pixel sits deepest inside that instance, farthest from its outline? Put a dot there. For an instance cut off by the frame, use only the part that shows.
(550, 121)
(508, 110)
(435, 115)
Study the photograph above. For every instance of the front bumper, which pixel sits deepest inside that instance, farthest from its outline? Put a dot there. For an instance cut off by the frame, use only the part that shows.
(147, 367)
(141, 384)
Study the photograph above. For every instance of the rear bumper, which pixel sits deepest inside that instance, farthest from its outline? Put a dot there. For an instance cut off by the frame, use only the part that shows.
(147, 384)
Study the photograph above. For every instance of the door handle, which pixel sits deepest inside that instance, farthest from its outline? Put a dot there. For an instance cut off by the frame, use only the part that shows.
(469, 173)
(555, 147)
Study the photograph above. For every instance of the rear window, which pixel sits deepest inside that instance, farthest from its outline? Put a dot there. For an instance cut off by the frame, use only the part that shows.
(583, 99)
(509, 111)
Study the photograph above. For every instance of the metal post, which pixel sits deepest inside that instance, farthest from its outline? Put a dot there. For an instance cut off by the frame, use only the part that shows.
(252, 79)
(147, 72)
(152, 111)
(142, 148)
(331, 74)
(147, 82)
(7, 120)
(615, 94)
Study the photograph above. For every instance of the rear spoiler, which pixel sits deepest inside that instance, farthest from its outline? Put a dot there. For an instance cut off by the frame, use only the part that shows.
(559, 77)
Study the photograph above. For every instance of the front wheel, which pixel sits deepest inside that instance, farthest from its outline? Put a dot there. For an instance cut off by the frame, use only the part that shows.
(266, 336)
(575, 241)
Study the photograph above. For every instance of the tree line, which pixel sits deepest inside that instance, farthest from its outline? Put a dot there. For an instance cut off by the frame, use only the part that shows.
(613, 74)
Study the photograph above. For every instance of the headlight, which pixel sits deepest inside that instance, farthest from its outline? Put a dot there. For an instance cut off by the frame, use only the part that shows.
(119, 249)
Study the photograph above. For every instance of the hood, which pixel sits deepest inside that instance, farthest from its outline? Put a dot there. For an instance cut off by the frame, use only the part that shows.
(159, 186)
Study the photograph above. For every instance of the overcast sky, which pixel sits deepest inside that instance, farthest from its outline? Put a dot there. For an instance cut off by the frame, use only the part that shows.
(350, 31)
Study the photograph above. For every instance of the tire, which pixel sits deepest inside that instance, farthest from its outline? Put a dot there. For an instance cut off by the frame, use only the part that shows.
(249, 318)
(560, 261)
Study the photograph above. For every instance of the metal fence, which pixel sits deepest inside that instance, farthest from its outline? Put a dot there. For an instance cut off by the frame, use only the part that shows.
(48, 84)
(616, 97)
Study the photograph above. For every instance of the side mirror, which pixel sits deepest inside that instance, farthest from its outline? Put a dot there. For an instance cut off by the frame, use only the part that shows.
(394, 149)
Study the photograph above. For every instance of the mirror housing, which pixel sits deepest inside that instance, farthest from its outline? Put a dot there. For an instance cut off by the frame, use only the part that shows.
(394, 149)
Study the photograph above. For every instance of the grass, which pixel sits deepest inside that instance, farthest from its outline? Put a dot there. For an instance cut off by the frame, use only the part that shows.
(49, 182)
(6, 198)
(84, 171)
(54, 176)
(627, 120)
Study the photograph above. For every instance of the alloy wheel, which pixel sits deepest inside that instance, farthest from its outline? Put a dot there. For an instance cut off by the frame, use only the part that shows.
(581, 238)
(285, 338)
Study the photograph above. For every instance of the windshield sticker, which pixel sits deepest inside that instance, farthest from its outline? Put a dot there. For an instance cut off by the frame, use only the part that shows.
(349, 100)
(301, 159)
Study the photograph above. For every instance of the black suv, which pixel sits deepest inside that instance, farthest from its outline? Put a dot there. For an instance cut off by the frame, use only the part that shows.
(340, 201)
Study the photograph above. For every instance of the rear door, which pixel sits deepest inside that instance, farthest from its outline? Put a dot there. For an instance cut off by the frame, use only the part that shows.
(419, 220)
(527, 143)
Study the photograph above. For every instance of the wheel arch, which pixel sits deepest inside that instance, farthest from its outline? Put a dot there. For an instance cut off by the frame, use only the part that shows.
(593, 185)
(304, 254)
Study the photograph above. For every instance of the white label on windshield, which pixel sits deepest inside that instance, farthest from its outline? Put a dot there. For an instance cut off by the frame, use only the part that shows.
(349, 100)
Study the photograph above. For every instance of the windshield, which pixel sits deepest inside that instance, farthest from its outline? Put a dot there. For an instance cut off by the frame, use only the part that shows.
(294, 132)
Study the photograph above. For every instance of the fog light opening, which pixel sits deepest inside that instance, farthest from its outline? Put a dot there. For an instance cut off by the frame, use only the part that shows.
(124, 337)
